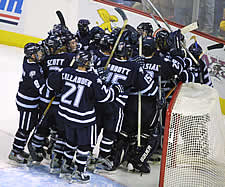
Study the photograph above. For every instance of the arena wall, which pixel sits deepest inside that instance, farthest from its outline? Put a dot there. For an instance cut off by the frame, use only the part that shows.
(23, 21)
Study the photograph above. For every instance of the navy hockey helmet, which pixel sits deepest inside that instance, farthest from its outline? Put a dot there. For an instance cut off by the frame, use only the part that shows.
(161, 37)
(35, 49)
(70, 41)
(148, 46)
(123, 50)
(83, 25)
(96, 33)
(58, 30)
(83, 59)
(106, 43)
(195, 50)
(145, 28)
(53, 43)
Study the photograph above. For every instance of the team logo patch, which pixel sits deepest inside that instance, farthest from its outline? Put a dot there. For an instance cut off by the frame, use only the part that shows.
(32, 74)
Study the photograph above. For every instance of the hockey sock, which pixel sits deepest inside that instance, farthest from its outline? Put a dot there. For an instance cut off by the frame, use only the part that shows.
(69, 153)
(105, 147)
(81, 159)
(20, 141)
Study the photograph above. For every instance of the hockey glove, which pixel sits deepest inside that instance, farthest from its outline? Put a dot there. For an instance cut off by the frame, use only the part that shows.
(161, 103)
(177, 52)
(117, 89)
(140, 60)
(102, 73)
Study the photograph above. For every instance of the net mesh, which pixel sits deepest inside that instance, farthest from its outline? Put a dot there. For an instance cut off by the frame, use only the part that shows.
(196, 139)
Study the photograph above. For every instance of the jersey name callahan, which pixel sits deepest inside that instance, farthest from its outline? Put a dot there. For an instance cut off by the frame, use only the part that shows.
(76, 79)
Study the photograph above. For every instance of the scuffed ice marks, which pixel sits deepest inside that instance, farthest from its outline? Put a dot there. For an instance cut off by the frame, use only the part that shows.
(38, 176)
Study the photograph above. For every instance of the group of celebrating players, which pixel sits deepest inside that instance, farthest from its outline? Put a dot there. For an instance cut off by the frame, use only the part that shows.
(90, 95)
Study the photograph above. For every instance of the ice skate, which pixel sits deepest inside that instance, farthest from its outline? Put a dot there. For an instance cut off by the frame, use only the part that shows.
(79, 177)
(20, 157)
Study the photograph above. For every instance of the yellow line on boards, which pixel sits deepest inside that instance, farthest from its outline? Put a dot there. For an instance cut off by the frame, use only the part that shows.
(16, 39)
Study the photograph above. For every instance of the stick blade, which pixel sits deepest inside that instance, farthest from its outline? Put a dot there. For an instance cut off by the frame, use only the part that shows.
(122, 13)
(216, 46)
(189, 28)
(61, 18)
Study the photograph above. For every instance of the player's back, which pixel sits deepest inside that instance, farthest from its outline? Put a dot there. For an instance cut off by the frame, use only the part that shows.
(56, 62)
(80, 90)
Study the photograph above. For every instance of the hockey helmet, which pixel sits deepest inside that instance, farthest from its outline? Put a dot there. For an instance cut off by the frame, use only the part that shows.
(83, 25)
(58, 30)
(195, 49)
(31, 49)
(161, 36)
(96, 33)
(106, 43)
(83, 59)
(53, 43)
(148, 46)
(145, 28)
(123, 50)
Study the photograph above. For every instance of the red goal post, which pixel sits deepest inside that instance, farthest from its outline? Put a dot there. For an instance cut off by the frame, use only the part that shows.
(194, 139)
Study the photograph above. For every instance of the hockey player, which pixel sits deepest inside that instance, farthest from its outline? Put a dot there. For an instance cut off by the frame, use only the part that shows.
(83, 33)
(96, 34)
(151, 105)
(27, 99)
(53, 62)
(201, 69)
(79, 90)
(128, 74)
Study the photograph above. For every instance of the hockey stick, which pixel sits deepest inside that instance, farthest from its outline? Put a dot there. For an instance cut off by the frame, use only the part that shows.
(156, 22)
(168, 26)
(125, 20)
(61, 18)
(189, 28)
(170, 92)
(211, 47)
(184, 30)
(139, 101)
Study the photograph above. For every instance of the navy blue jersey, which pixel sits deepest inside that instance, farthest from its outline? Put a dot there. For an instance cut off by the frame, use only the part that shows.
(80, 90)
(54, 63)
(97, 56)
(30, 86)
(129, 74)
(84, 40)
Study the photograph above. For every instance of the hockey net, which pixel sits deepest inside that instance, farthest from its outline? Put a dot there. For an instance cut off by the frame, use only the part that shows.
(194, 139)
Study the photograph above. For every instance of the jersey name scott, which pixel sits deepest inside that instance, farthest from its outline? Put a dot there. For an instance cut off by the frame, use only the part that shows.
(118, 69)
(76, 79)
(55, 62)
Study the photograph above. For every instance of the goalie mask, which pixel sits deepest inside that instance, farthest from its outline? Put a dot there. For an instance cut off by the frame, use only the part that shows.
(34, 51)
